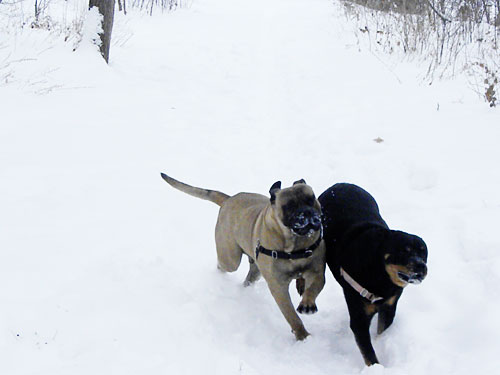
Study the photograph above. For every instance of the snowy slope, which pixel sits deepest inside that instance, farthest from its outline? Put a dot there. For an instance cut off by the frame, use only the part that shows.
(105, 269)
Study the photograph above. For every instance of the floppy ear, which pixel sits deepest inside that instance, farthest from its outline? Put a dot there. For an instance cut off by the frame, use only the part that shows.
(276, 186)
(301, 181)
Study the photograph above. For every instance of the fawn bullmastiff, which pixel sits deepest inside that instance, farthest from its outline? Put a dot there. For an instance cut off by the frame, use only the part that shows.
(280, 234)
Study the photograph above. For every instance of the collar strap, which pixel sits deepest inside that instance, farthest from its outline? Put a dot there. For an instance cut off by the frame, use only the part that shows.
(299, 254)
(358, 288)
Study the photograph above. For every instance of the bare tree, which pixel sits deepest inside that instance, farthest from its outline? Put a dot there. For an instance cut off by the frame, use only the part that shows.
(107, 9)
(122, 7)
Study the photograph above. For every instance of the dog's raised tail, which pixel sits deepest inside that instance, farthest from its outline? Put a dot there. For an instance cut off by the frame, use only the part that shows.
(210, 195)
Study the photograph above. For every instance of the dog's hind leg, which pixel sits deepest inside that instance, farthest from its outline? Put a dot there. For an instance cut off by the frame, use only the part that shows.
(228, 257)
(228, 251)
(253, 273)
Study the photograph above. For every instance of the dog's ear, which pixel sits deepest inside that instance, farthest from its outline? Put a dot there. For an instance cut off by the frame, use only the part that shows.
(301, 181)
(276, 186)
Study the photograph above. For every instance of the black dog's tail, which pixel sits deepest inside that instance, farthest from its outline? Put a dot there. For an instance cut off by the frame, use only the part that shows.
(210, 195)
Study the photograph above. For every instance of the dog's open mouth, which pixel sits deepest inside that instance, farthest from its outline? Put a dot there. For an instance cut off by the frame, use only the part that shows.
(304, 231)
(410, 278)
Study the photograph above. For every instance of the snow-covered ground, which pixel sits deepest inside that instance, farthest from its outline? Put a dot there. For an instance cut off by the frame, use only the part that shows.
(105, 269)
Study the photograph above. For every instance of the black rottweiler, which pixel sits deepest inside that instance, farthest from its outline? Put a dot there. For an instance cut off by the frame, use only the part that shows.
(371, 262)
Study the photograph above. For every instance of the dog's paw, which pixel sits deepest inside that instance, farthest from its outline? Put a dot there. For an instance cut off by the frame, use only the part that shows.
(301, 334)
(307, 309)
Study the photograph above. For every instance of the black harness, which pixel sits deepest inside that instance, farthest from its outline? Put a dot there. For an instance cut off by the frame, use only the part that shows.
(298, 254)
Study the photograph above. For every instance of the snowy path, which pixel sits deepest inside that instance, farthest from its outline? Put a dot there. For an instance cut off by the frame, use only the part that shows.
(107, 270)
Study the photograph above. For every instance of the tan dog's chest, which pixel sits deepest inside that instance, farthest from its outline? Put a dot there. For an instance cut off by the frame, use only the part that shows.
(291, 269)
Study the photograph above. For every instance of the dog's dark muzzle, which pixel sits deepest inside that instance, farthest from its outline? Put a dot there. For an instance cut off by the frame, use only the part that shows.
(306, 223)
(417, 270)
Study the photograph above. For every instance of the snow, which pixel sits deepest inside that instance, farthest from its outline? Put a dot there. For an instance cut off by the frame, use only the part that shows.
(105, 269)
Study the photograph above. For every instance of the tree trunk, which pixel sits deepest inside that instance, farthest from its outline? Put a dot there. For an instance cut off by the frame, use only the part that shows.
(107, 9)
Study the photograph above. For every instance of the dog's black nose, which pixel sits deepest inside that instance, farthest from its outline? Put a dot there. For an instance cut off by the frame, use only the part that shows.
(420, 269)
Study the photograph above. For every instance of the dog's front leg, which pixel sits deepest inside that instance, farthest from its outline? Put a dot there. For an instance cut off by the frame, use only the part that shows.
(279, 290)
(360, 326)
(386, 313)
(313, 284)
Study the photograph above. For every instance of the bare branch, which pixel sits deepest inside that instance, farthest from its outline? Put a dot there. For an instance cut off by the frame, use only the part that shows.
(436, 11)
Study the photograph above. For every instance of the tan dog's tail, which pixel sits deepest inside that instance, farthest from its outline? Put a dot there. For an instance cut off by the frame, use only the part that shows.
(210, 195)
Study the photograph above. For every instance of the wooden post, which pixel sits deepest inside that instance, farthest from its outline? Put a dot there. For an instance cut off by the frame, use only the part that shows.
(107, 9)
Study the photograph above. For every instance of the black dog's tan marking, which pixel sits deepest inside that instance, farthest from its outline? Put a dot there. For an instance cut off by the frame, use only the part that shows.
(281, 236)
(381, 260)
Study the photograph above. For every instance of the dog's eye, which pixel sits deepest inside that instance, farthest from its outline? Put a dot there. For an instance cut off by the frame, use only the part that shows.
(408, 249)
